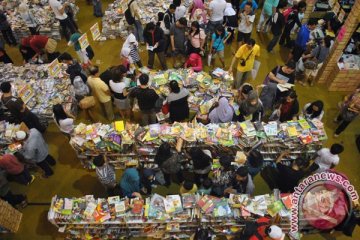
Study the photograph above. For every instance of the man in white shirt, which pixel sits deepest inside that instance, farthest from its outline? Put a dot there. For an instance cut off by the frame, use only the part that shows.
(180, 10)
(327, 158)
(59, 10)
(247, 18)
(138, 28)
(216, 12)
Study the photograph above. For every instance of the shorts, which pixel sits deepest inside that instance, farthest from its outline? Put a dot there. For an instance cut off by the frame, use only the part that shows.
(243, 37)
(220, 53)
(122, 104)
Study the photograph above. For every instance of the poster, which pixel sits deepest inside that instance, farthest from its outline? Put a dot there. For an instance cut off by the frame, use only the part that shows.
(336, 8)
(54, 68)
(95, 31)
(26, 93)
(83, 41)
(341, 15)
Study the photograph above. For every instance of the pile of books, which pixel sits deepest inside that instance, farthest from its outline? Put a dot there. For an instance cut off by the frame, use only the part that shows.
(38, 90)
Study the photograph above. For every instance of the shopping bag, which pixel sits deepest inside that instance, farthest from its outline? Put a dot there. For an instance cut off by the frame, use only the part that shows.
(209, 59)
(255, 69)
(87, 102)
(165, 108)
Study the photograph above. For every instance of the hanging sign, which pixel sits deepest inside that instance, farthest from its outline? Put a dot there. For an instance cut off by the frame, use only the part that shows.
(83, 41)
(95, 31)
(54, 68)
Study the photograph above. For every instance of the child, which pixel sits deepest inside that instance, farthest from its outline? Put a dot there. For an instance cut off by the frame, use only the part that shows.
(194, 62)
(218, 39)
(105, 173)
(206, 187)
(188, 187)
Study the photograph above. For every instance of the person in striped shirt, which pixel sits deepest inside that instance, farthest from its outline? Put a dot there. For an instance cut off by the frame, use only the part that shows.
(105, 173)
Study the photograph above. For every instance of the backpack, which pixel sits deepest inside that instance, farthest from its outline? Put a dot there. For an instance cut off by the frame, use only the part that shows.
(287, 13)
(250, 230)
(128, 16)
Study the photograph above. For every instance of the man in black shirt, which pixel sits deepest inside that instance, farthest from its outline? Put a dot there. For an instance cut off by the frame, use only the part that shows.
(277, 25)
(284, 177)
(146, 98)
(292, 19)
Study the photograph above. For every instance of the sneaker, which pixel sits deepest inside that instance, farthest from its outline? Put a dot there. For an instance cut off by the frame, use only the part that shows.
(335, 120)
(32, 180)
(336, 135)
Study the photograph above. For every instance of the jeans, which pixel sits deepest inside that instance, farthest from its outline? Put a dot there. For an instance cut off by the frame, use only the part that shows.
(343, 124)
(148, 117)
(167, 178)
(67, 27)
(97, 8)
(8, 36)
(263, 19)
(211, 27)
(273, 42)
(161, 56)
(138, 31)
(285, 37)
(44, 165)
(240, 79)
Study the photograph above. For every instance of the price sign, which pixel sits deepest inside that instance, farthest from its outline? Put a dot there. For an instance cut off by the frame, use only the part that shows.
(83, 41)
(95, 31)
(54, 68)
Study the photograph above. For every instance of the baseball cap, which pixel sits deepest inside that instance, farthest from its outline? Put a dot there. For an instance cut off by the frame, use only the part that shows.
(275, 232)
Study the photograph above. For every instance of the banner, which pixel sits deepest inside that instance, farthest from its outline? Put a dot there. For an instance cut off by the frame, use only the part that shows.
(54, 68)
(83, 41)
(95, 31)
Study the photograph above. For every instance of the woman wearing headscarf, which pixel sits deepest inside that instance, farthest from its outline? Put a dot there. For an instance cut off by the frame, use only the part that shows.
(223, 113)
(130, 182)
(197, 12)
(314, 110)
(132, 44)
(251, 108)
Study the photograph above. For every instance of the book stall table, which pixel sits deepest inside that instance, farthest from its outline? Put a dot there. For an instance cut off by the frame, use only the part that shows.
(164, 216)
(130, 144)
(45, 19)
(114, 24)
(38, 90)
(10, 218)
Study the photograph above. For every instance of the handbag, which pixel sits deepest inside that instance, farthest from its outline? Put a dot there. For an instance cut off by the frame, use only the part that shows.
(312, 63)
(165, 108)
(87, 102)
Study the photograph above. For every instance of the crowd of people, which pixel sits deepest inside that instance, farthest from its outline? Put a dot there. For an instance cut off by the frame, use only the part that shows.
(188, 37)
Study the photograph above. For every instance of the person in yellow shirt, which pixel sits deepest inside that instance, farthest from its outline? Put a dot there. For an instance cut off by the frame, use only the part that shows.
(188, 187)
(100, 91)
(245, 56)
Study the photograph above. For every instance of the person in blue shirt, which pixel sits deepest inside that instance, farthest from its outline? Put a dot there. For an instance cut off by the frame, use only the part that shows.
(130, 183)
(302, 39)
(253, 4)
(217, 46)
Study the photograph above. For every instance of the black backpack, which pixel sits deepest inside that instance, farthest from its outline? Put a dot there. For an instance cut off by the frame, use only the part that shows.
(128, 16)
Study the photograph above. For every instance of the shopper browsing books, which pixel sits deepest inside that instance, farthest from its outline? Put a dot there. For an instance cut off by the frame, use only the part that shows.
(188, 187)
(178, 104)
(222, 113)
(254, 162)
(169, 163)
(274, 176)
(105, 173)
(101, 91)
(251, 108)
(16, 169)
(146, 98)
(201, 162)
(18, 109)
(64, 120)
(35, 150)
(206, 188)
(130, 183)
(241, 182)
(327, 158)
(222, 176)
(314, 110)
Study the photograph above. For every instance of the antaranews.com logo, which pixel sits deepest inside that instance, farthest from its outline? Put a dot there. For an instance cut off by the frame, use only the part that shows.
(322, 201)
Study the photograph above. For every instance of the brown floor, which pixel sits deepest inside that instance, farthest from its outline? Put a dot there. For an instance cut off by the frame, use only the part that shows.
(70, 179)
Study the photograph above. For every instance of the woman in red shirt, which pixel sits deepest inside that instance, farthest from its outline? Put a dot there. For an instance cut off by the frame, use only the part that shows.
(14, 167)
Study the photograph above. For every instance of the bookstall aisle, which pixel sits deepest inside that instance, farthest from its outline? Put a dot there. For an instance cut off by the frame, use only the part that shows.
(163, 216)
